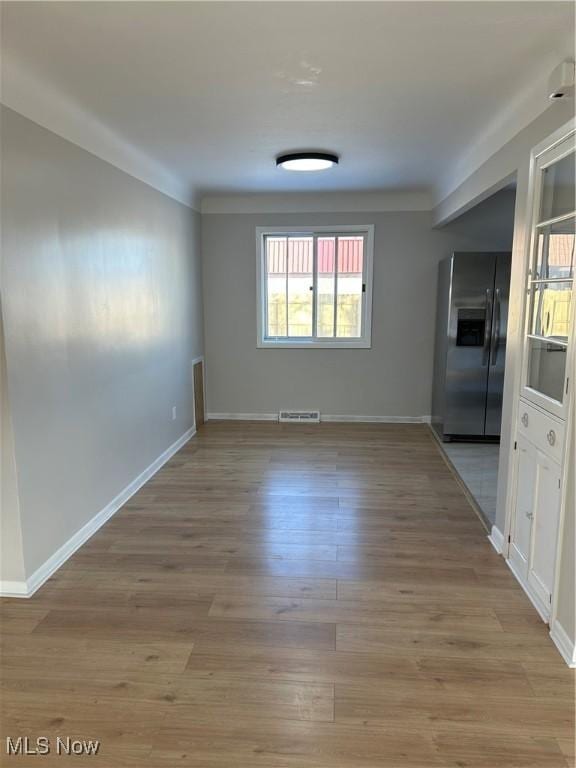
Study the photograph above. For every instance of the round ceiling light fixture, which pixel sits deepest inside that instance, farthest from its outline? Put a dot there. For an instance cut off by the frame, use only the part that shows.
(307, 161)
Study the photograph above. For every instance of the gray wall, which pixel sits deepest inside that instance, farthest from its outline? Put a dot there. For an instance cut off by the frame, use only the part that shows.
(495, 213)
(101, 287)
(11, 551)
(392, 379)
(504, 164)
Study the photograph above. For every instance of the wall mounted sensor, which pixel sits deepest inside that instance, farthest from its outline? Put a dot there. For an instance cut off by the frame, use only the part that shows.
(561, 82)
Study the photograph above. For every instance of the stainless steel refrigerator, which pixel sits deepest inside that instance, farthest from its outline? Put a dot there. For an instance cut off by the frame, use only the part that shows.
(472, 316)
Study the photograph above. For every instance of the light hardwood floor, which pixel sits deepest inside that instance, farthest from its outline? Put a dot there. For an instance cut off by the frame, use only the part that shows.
(290, 597)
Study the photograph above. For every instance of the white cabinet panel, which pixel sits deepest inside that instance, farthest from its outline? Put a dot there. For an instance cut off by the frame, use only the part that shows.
(520, 549)
(543, 430)
(535, 525)
(544, 527)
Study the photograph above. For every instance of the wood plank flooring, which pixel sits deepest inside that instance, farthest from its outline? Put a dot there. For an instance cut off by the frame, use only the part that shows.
(289, 596)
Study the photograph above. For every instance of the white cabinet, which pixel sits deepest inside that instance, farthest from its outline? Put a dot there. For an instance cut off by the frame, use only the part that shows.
(546, 386)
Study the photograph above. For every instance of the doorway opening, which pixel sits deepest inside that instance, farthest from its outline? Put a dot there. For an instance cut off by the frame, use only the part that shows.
(472, 318)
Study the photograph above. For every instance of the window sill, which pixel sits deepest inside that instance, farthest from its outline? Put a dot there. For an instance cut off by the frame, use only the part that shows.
(352, 344)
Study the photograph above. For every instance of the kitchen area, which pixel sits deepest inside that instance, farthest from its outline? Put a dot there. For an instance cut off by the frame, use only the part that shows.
(470, 350)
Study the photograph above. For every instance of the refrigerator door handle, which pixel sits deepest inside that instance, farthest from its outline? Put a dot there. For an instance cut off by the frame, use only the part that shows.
(495, 328)
(487, 328)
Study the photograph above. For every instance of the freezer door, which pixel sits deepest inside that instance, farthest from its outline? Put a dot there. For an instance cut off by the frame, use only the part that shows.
(498, 345)
(469, 335)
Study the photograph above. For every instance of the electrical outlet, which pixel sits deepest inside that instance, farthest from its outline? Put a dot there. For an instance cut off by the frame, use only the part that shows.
(173, 413)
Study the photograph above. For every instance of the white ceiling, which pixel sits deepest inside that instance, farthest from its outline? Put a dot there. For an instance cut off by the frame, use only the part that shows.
(206, 94)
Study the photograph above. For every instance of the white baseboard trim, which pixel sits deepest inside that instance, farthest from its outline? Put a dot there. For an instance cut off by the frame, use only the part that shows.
(496, 538)
(28, 587)
(375, 419)
(242, 417)
(13, 589)
(323, 417)
(564, 644)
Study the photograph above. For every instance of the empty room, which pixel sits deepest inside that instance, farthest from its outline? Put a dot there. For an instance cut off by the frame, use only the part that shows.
(287, 373)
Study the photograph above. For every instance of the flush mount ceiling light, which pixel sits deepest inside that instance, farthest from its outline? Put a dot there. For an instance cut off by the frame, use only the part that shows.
(307, 161)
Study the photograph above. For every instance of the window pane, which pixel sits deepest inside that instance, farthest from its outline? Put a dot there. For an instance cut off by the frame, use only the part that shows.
(546, 368)
(276, 285)
(300, 283)
(551, 313)
(555, 250)
(325, 286)
(349, 286)
(558, 184)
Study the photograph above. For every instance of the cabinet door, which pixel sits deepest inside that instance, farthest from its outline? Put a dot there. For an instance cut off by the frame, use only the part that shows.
(551, 285)
(544, 527)
(524, 513)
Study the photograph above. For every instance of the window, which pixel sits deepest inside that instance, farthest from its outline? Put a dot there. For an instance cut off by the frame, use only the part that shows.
(315, 287)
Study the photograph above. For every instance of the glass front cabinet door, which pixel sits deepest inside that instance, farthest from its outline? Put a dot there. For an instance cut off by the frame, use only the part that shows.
(550, 289)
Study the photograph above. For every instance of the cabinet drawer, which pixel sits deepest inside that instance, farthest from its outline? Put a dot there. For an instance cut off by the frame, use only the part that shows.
(543, 430)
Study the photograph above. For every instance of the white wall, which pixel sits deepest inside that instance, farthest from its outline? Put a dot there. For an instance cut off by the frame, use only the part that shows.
(392, 379)
(101, 290)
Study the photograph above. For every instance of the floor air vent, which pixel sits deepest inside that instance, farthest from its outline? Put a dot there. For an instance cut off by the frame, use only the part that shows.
(300, 416)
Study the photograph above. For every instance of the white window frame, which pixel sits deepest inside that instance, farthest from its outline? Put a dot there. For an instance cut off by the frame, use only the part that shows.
(362, 342)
